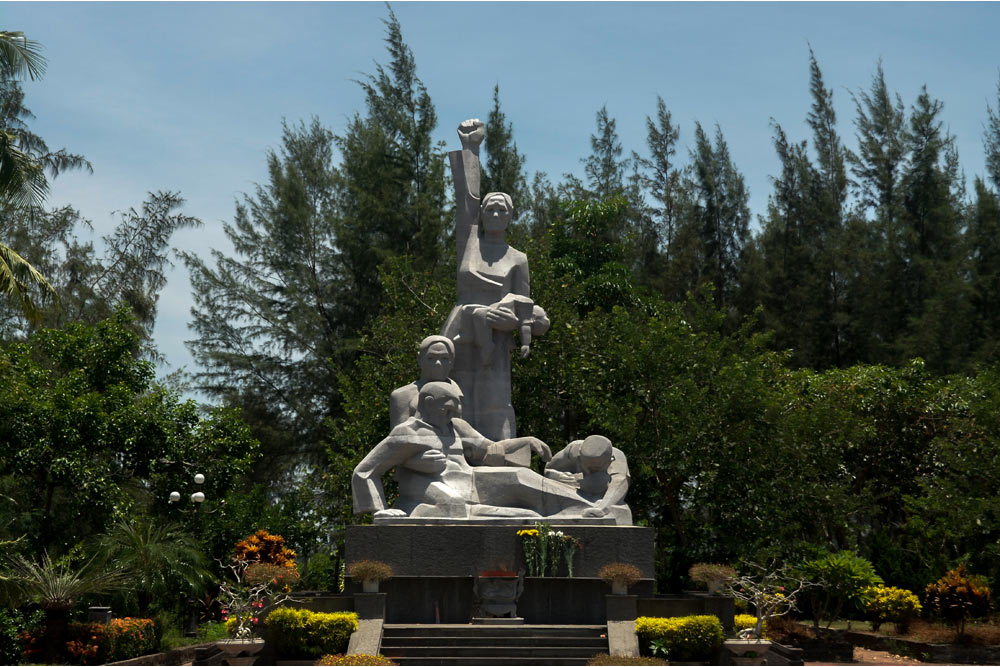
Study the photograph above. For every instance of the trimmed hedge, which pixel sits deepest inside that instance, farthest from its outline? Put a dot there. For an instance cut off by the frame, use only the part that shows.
(357, 659)
(303, 634)
(687, 638)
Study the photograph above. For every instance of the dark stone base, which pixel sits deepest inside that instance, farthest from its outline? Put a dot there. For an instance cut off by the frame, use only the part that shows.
(435, 566)
(460, 550)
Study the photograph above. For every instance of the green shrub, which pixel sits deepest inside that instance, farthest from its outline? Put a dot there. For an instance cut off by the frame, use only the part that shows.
(844, 578)
(686, 638)
(12, 624)
(300, 633)
(888, 604)
(356, 659)
(959, 596)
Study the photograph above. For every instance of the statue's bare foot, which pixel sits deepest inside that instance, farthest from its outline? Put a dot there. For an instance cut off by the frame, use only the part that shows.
(390, 512)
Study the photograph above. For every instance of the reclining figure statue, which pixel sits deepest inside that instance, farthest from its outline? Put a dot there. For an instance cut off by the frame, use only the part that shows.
(435, 454)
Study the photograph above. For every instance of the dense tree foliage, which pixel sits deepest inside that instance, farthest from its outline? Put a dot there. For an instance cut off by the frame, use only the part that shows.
(824, 380)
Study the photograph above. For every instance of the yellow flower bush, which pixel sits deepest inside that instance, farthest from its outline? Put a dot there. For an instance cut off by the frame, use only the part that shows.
(300, 633)
(746, 621)
(685, 638)
(888, 604)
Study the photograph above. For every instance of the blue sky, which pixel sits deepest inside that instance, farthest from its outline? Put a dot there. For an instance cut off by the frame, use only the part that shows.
(190, 96)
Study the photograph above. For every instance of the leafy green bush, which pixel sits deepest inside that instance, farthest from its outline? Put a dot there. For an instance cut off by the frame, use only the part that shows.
(356, 659)
(844, 578)
(959, 596)
(300, 633)
(888, 604)
(12, 623)
(686, 638)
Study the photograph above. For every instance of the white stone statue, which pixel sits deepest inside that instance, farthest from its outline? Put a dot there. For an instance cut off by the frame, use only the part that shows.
(453, 439)
(431, 452)
(494, 295)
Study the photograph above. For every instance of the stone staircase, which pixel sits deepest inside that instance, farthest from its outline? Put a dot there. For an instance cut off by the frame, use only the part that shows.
(446, 644)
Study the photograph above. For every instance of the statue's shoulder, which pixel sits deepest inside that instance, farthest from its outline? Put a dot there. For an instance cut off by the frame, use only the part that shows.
(410, 426)
(517, 256)
(405, 390)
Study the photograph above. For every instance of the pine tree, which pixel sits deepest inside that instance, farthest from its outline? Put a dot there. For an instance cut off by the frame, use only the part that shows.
(504, 171)
(604, 169)
(805, 283)
(878, 168)
(391, 185)
(662, 179)
(722, 213)
(269, 325)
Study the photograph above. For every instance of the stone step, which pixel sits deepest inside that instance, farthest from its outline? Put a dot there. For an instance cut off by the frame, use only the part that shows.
(469, 630)
(462, 640)
(446, 660)
(467, 644)
(499, 651)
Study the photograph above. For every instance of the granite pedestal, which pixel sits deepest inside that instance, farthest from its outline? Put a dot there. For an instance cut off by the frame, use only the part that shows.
(435, 566)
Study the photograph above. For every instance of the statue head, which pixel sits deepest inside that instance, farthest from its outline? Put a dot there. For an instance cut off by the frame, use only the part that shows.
(438, 402)
(436, 356)
(496, 211)
(595, 454)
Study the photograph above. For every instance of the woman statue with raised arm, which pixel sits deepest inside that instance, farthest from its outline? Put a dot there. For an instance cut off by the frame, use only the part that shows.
(494, 296)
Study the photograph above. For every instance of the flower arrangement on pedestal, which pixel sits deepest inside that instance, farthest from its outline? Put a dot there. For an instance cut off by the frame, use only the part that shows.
(545, 548)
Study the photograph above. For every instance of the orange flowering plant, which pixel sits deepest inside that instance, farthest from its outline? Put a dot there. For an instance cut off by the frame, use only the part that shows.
(263, 572)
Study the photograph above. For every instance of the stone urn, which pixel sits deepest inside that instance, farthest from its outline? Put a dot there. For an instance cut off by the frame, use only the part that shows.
(369, 586)
(748, 651)
(240, 651)
(497, 594)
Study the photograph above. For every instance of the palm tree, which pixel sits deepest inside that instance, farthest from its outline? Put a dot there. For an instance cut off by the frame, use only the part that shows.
(22, 176)
(55, 587)
(151, 555)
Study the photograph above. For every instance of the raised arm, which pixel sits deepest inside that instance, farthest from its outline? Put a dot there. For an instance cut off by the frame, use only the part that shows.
(465, 173)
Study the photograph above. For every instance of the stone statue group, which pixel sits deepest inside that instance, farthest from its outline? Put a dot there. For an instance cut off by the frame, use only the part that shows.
(453, 438)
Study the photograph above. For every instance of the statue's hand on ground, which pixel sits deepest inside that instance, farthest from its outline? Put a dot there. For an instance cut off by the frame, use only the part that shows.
(562, 477)
(431, 461)
(390, 512)
(540, 448)
(471, 132)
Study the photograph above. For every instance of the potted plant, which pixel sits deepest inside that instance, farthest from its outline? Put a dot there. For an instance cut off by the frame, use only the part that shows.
(620, 576)
(370, 573)
(255, 589)
(770, 591)
(713, 575)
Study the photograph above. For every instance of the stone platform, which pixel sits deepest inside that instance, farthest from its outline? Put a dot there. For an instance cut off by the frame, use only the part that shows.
(435, 567)
(465, 550)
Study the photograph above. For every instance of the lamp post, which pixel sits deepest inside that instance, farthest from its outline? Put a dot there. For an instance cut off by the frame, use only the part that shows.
(197, 498)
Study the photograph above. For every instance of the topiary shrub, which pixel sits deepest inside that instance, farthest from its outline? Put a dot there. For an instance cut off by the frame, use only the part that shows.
(620, 574)
(958, 596)
(713, 575)
(685, 638)
(301, 634)
(370, 570)
(356, 659)
(888, 604)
